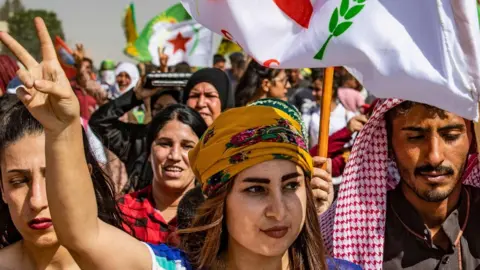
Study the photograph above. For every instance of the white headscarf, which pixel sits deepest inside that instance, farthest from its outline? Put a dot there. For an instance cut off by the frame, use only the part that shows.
(132, 71)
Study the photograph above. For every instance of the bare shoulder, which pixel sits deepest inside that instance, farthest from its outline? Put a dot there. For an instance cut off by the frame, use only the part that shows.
(11, 257)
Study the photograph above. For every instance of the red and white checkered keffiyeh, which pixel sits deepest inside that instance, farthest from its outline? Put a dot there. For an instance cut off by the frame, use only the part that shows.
(353, 228)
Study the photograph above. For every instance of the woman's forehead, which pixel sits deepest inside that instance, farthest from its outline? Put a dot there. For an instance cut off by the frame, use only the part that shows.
(204, 87)
(124, 73)
(272, 169)
(177, 130)
(26, 153)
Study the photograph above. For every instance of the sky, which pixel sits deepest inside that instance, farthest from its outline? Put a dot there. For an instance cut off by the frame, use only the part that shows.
(97, 23)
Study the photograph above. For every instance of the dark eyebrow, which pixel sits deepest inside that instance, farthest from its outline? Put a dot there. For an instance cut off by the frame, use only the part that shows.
(444, 128)
(256, 180)
(19, 171)
(452, 126)
(290, 176)
(416, 129)
(24, 171)
(188, 141)
(211, 91)
(267, 181)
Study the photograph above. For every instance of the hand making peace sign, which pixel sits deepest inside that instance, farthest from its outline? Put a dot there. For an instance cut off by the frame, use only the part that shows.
(47, 93)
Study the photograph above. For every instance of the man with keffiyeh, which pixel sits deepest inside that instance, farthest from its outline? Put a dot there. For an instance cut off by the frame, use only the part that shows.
(409, 199)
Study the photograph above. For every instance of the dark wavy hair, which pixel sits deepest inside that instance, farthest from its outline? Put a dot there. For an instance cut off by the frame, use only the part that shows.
(16, 122)
(206, 238)
(251, 81)
(180, 112)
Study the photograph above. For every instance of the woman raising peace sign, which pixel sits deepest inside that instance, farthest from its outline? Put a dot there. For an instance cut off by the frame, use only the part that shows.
(275, 176)
(49, 97)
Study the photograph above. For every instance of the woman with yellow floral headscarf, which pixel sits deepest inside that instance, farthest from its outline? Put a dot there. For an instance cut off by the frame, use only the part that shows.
(260, 213)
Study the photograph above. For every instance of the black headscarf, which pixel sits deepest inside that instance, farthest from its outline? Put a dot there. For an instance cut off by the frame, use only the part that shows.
(218, 79)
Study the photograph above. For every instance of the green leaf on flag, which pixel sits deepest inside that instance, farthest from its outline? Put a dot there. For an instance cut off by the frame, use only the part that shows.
(340, 21)
(341, 28)
(352, 12)
(344, 7)
(333, 21)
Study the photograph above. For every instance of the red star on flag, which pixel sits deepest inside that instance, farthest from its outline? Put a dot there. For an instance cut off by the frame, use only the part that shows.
(179, 42)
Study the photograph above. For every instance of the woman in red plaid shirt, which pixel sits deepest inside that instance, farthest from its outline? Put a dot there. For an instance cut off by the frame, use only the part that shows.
(150, 213)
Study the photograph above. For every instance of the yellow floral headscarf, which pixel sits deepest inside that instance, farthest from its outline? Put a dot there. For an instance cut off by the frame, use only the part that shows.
(243, 137)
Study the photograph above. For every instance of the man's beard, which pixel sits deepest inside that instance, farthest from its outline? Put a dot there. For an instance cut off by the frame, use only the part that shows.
(431, 195)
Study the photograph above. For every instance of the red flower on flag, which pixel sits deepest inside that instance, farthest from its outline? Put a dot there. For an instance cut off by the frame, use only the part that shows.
(299, 10)
(271, 63)
(180, 42)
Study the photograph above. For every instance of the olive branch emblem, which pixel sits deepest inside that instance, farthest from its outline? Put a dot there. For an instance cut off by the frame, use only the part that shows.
(336, 29)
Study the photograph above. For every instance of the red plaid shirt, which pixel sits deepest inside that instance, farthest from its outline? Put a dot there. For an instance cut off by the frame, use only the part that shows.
(147, 222)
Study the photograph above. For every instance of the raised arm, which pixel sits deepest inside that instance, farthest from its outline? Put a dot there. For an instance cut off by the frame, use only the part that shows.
(48, 96)
(116, 135)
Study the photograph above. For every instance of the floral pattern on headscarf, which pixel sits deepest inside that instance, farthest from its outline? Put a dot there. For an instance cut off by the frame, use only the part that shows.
(243, 137)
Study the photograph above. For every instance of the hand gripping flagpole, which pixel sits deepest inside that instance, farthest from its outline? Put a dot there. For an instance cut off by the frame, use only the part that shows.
(325, 113)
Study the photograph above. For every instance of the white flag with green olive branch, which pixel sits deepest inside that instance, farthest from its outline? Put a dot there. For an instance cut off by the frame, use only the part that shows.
(421, 50)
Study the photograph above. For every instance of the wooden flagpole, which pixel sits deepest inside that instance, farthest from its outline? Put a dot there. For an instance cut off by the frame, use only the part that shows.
(325, 113)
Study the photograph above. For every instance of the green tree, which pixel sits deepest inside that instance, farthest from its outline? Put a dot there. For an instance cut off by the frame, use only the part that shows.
(5, 10)
(21, 28)
(17, 6)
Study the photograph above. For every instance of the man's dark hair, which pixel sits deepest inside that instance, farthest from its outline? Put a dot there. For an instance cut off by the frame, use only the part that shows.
(236, 57)
(182, 67)
(403, 109)
(242, 64)
(218, 58)
(85, 59)
(317, 74)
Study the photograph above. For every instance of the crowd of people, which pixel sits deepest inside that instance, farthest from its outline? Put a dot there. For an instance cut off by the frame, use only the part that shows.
(100, 171)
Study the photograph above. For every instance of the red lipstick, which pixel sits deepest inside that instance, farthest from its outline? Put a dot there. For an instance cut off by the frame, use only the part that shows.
(40, 223)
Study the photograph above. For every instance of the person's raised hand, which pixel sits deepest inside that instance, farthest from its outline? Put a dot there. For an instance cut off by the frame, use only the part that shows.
(322, 186)
(162, 57)
(47, 93)
(142, 93)
(79, 53)
(356, 123)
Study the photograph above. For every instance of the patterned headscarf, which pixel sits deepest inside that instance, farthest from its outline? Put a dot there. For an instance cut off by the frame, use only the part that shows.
(243, 137)
(354, 227)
